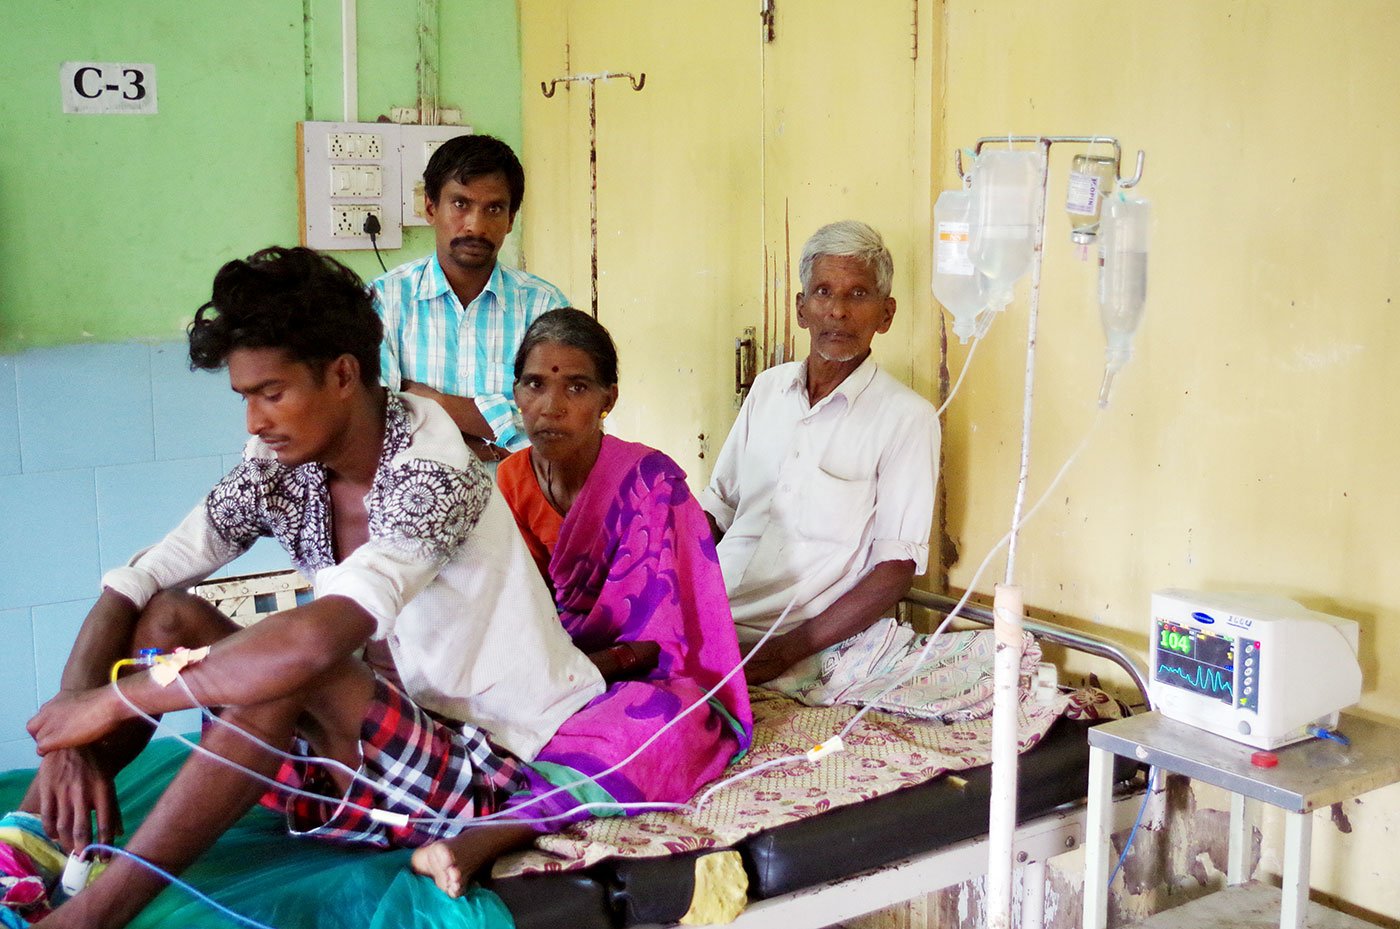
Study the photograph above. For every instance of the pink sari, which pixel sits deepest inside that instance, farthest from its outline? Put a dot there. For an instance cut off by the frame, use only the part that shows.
(635, 561)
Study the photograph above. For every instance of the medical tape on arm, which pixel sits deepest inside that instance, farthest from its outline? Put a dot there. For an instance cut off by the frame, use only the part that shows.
(168, 667)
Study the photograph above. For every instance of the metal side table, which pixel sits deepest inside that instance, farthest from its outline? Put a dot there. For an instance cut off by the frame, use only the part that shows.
(1310, 775)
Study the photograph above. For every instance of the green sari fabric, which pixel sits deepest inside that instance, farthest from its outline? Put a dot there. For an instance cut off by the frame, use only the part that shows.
(260, 872)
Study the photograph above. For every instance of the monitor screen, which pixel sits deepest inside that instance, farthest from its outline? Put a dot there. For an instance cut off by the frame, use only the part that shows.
(1204, 663)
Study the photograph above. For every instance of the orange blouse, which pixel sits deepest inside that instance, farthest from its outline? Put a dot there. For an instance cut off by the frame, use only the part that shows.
(539, 522)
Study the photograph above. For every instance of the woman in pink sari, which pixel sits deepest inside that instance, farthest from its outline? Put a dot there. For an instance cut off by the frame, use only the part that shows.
(628, 553)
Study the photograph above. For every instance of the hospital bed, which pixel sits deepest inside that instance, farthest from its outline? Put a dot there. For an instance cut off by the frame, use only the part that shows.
(813, 872)
(863, 857)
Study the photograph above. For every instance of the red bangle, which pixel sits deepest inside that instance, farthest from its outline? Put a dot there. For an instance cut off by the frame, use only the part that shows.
(625, 656)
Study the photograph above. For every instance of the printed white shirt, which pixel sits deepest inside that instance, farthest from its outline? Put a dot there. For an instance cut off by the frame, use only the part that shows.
(453, 591)
(810, 498)
(430, 338)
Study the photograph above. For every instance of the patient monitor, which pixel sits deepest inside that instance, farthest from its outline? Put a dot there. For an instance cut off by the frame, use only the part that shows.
(1255, 668)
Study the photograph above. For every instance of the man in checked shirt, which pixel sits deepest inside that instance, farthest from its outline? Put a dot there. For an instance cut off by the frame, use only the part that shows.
(454, 319)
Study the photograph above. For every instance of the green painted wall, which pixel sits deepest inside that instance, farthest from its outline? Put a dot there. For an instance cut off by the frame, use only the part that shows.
(111, 227)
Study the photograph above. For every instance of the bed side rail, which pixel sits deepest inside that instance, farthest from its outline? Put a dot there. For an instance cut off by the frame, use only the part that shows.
(1049, 632)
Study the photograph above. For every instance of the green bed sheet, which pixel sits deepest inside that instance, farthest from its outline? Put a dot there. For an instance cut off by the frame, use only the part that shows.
(260, 872)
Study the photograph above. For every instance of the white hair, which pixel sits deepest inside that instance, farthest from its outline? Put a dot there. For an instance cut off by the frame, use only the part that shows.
(848, 239)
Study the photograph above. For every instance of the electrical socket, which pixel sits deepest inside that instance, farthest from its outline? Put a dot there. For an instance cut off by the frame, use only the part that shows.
(368, 145)
(348, 221)
(347, 172)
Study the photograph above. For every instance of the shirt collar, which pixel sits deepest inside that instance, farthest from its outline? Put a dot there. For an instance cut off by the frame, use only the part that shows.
(432, 283)
(496, 283)
(848, 390)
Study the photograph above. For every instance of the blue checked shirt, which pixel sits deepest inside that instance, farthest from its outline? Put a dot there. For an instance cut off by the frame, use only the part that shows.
(429, 338)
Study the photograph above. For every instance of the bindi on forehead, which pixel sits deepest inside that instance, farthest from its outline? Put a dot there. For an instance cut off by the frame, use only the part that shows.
(555, 369)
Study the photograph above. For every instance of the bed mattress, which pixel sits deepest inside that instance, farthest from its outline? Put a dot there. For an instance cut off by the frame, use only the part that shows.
(823, 847)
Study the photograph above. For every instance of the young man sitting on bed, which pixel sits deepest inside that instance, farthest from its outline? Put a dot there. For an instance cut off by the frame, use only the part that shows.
(429, 611)
(822, 497)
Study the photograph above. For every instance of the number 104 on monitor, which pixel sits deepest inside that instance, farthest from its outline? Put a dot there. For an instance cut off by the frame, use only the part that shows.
(1255, 668)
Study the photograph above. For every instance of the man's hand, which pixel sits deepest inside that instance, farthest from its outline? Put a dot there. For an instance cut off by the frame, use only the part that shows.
(463, 410)
(770, 662)
(76, 718)
(419, 389)
(484, 450)
(716, 532)
(626, 660)
(70, 788)
(852, 613)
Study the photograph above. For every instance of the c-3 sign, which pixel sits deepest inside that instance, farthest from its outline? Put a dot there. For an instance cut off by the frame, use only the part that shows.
(107, 87)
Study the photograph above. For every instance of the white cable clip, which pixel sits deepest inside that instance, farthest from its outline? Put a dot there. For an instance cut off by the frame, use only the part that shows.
(830, 747)
(396, 820)
(75, 874)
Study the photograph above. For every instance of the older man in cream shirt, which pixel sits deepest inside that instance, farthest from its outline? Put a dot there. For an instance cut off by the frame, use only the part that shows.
(822, 497)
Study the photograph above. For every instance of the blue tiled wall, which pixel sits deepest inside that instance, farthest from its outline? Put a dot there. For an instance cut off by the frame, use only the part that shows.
(103, 448)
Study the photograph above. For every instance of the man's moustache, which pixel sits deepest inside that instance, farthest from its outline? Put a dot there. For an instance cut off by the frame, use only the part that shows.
(468, 240)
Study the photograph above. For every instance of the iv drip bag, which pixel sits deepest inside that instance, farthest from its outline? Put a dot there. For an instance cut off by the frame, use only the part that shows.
(960, 287)
(1122, 280)
(1002, 234)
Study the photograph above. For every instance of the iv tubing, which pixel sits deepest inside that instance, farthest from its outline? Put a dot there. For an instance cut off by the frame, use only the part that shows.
(172, 879)
(703, 700)
(967, 365)
(433, 817)
(700, 801)
(697, 804)
(972, 584)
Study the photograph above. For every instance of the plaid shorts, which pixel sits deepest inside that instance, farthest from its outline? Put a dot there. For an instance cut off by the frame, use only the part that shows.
(420, 764)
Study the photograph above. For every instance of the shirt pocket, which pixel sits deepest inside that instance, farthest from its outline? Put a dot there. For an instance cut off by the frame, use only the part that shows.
(836, 509)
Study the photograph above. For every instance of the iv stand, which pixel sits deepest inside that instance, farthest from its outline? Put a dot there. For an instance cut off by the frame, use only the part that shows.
(548, 88)
(1008, 607)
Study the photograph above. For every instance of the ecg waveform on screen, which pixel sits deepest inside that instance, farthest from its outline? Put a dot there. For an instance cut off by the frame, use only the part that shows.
(1199, 678)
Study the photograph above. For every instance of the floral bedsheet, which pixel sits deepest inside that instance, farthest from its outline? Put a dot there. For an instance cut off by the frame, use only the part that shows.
(882, 754)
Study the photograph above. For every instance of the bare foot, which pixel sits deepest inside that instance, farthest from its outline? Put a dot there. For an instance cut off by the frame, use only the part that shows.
(452, 862)
(438, 862)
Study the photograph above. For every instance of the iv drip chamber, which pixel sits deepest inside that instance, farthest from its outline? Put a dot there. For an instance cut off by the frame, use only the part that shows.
(959, 286)
(1001, 237)
(1123, 244)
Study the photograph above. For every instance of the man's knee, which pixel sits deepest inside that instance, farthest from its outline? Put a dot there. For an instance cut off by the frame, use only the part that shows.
(173, 618)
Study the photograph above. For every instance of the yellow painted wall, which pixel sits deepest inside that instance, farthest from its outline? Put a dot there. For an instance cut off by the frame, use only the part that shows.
(732, 142)
(846, 136)
(1249, 440)
(1250, 443)
(678, 205)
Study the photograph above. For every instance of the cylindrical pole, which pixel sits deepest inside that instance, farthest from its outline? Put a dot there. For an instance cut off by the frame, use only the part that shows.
(1007, 608)
(1032, 324)
(593, 186)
